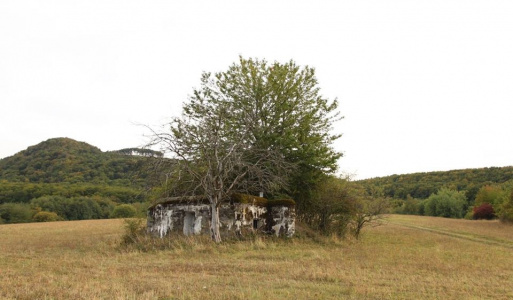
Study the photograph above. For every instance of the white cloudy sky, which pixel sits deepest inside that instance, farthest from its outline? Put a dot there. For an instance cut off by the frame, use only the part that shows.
(423, 85)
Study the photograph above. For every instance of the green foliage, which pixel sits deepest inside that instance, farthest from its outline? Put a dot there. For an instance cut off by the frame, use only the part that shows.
(45, 216)
(506, 211)
(141, 209)
(494, 195)
(485, 185)
(25, 192)
(77, 208)
(62, 161)
(55, 204)
(446, 203)
(422, 185)
(135, 229)
(124, 211)
(410, 206)
(330, 208)
(74, 180)
(287, 114)
(83, 208)
(367, 210)
(246, 130)
(497, 196)
(16, 212)
(106, 206)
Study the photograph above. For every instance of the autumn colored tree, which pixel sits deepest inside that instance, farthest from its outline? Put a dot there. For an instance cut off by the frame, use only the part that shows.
(483, 211)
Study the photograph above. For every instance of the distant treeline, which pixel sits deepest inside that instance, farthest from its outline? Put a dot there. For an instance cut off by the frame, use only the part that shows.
(473, 193)
(63, 179)
(42, 202)
(58, 208)
(423, 185)
(21, 192)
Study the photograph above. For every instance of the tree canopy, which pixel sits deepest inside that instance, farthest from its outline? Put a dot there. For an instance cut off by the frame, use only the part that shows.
(255, 127)
(286, 113)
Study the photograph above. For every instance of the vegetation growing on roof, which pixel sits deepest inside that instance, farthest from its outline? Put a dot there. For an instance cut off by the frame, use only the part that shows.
(235, 198)
(248, 199)
(182, 200)
(281, 202)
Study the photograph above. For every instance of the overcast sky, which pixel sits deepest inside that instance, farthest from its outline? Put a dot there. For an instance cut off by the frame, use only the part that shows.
(423, 85)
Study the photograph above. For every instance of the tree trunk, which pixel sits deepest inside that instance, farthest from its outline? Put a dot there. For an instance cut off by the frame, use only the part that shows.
(215, 224)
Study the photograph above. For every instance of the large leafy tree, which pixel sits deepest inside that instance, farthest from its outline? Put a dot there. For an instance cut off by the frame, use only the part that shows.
(286, 113)
(255, 127)
(215, 155)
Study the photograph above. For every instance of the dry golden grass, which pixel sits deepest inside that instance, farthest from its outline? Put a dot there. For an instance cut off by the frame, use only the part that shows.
(490, 230)
(408, 258)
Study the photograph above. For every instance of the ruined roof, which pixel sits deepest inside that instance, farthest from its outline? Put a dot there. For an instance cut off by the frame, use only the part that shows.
(235, 198)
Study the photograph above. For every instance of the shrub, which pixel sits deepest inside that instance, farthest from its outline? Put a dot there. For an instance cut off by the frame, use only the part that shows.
(329, 208)
(445, 203)
(506, 213)
(55, 204)
(134, 231)
(141, 209)
(123, 211)
(469, 215)
(16, 212)
(493, 195)
(46, 216)
(367, 211)
(78, 208)
(483, 211)
(410, 206)
(106, 206)
(83, 208)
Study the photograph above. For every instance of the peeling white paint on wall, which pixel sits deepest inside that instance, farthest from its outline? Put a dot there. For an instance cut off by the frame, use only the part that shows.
(256, 211)
(166, 222)
(235, 219)
(283, 221)
(197, 225)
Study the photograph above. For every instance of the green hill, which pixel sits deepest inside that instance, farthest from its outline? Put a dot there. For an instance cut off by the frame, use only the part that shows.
(422, 185)
(65, 167)
(61, 160)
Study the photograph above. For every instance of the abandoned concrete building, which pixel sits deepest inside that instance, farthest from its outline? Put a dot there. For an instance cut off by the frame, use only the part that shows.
(239, 215)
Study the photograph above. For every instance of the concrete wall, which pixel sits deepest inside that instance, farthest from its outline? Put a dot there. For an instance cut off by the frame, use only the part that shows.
(236, 219)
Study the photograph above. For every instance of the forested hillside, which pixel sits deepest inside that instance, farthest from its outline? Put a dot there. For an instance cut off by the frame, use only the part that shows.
(485, 193)
(65, 160)
(63, 179)
(73, 180)
(422, 185)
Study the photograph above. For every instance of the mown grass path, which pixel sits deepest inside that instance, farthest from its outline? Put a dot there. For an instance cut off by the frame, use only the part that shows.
(449, 231)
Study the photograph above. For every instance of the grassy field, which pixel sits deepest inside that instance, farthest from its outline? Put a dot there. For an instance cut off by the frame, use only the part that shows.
(409, 257)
